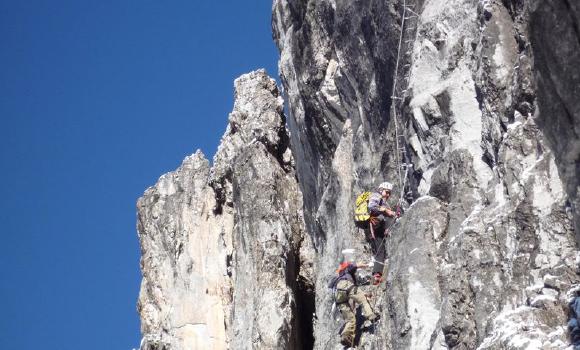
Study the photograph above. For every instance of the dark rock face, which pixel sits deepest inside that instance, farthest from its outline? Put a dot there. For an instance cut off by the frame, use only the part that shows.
(337, 63)
(555, 40)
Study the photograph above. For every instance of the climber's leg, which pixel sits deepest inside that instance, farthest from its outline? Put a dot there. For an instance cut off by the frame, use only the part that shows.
(347, 335)
(379, 249)
(360, 299)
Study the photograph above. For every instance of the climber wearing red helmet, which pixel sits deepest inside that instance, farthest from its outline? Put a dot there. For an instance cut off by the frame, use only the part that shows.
(347, 297)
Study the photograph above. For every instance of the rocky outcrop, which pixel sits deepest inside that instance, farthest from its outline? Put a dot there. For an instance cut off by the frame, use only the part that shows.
(238, 254)
(182, 299)
(224, 257)
(475, 142)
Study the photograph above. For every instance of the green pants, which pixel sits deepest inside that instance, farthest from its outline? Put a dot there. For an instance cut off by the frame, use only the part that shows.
(348, 308)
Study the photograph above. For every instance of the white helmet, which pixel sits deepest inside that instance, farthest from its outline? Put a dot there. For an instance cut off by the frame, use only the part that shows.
(348, 255)
(386, 186)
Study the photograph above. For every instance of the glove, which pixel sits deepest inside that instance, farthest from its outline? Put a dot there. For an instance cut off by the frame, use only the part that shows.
(399, 211)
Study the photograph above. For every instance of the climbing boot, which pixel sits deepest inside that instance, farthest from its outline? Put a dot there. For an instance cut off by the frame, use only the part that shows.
(346, 341)
(374, 317)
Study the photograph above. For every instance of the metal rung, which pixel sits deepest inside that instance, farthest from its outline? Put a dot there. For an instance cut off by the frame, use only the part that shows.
(413, 12)
(396, 98)
(410, 17)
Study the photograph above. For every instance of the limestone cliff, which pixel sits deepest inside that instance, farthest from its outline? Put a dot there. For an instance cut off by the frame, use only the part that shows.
(480, 97)
(224, 258)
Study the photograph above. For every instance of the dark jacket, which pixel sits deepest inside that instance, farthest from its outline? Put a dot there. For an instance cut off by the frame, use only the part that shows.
(376, 201)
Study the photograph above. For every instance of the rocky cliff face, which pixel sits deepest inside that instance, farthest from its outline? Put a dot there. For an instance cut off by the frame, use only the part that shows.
(481, 95)
(224, 255)
(554, 28)
(475, 260)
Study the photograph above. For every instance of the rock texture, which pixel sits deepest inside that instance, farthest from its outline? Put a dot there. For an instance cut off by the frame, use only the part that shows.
(182, 301)
(238, 255)
(337, 61)
(555, 40)
(469, 260)
(224, 259)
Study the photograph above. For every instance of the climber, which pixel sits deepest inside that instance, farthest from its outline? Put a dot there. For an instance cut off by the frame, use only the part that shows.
(380, 213)
(347, 297)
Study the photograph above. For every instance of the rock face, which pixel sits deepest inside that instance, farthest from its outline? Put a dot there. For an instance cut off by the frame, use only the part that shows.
(224, 260)
(337, 61)
(489, 222)
(478, 95)
(555, 39)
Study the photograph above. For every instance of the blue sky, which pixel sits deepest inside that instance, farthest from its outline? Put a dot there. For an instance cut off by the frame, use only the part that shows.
(97, 100)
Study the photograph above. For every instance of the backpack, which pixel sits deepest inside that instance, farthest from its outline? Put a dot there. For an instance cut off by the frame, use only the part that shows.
(361, 210)
(340, 296)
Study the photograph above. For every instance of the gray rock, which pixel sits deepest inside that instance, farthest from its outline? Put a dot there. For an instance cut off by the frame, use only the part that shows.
(555, 41)
(225, 261)
(470, 115)
(239, 255)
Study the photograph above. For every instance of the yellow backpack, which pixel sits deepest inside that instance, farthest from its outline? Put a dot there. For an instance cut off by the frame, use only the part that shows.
(361, 211)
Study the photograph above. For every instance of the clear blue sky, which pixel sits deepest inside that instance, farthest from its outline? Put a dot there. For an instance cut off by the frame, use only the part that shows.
(97, 100)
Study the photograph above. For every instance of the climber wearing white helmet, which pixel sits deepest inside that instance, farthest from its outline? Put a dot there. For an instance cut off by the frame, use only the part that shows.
(379, 211)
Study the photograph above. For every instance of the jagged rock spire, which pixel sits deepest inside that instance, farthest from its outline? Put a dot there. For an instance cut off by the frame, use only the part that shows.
(224, 249)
